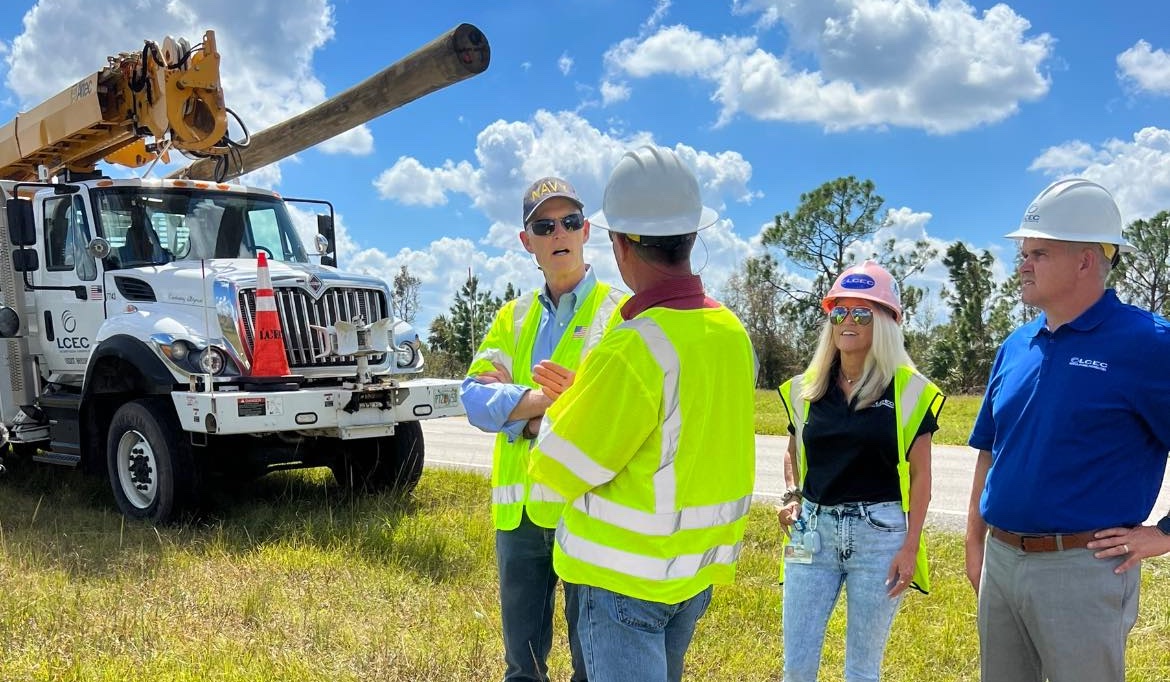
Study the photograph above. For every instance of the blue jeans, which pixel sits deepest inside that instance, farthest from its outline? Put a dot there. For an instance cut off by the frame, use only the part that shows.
(858, 543)
(527, 600)
(625, 639)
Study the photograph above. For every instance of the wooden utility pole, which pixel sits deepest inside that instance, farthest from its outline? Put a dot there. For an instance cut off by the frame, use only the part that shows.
(456, 55)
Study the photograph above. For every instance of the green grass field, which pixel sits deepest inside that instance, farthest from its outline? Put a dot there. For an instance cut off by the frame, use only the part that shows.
(954, 426)
(286, 580)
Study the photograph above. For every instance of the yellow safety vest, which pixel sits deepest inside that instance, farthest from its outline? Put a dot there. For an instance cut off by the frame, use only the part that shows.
(654, 446)
(509, 342)
(914, 395)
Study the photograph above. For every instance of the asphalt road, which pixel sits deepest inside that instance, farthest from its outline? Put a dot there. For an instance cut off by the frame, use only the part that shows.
(452, 442)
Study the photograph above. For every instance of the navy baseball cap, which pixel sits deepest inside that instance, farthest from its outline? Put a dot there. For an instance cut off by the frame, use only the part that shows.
(548, 188)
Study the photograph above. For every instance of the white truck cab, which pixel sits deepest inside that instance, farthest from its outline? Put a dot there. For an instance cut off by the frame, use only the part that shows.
(127, 326)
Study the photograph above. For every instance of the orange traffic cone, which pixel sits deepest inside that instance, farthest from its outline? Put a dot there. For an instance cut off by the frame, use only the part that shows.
(268, 357)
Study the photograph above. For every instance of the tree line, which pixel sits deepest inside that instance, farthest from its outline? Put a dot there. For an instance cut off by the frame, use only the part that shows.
(777, 294)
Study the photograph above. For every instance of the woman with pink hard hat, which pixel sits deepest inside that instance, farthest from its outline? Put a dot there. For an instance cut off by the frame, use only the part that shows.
(858, 471)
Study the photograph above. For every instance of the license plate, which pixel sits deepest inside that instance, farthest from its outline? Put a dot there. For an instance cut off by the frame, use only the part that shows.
(446, 397)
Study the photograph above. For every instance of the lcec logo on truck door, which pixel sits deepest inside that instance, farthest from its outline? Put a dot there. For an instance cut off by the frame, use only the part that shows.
(68, 342)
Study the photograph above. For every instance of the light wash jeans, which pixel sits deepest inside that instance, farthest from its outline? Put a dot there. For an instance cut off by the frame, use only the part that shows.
(624, 639)
(527, 599)
(858, 543)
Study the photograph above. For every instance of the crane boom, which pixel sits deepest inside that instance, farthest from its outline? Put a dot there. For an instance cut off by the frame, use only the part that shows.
(454, 56)
(171, 94)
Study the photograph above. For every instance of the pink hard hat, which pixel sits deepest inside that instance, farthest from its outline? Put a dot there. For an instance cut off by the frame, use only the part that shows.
(868, 281)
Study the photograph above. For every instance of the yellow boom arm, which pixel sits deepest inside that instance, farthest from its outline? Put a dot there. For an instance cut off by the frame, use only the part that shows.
(130, 113)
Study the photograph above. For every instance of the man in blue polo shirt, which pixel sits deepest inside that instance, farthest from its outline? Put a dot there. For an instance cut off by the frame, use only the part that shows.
(1073, 438)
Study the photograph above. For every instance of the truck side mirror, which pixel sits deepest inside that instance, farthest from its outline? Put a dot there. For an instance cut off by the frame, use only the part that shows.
(21, 228)
(9, 323)
(98, 247)
(325, 226)
(325, 229)
(25, 260)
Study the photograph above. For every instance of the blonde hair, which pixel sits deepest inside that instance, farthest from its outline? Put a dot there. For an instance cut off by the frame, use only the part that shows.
(886, 353)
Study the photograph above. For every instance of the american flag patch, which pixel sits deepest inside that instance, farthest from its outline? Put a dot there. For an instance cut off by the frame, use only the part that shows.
(96, 293)
(579, 331)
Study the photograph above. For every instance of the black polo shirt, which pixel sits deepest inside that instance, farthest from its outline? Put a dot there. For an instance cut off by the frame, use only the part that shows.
(852, 456)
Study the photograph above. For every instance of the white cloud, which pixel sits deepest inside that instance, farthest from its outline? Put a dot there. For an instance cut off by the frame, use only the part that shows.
(903, 63)
(1136, 171)
(612, 93)
(410, 183)
(659, 13)
(266, 68)
(565, 64)
(511, 153)
(508, 156)
(1145, 67)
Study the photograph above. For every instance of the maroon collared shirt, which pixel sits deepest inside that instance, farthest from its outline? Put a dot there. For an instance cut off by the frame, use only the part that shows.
(681, 293)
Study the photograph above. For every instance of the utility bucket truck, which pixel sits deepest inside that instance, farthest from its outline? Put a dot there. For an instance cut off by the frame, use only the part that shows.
(128, 307)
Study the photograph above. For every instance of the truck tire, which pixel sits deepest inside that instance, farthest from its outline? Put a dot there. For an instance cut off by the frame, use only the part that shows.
(151, 468)
(389, 463)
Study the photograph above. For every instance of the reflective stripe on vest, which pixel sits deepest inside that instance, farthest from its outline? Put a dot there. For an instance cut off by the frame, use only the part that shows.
(511, 494)
(647, 568)
(572, 457)
(662, 523)
(519, 309)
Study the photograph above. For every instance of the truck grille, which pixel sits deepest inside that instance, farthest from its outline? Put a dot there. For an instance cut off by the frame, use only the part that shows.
(298, 310)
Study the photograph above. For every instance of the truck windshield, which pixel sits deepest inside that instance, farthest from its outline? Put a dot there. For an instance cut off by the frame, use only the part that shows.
(157, 225)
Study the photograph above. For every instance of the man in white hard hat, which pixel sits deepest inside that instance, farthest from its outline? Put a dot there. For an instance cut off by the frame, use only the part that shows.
(1072, 438)
(653, 444)
(557, 324)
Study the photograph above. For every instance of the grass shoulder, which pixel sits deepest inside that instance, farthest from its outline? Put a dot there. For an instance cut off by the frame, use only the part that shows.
(298, 581)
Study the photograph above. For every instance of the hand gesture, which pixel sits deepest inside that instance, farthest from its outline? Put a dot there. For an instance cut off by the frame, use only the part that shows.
(500, 375)
(1132, 544)
(788, 515)
(553, 378)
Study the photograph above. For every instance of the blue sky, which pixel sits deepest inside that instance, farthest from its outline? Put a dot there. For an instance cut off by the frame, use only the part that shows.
(960, 112)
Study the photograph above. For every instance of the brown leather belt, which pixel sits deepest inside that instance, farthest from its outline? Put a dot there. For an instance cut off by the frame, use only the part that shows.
(1043, 543)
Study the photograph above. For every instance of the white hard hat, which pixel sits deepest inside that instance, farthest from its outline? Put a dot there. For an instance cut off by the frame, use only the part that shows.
(652, 193)
(1074, 210)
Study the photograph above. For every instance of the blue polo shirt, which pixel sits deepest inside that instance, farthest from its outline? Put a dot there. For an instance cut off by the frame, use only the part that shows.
(1077, 422)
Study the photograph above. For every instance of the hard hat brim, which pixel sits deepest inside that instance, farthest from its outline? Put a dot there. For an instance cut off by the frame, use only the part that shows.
(656, 228)
(1025, 233)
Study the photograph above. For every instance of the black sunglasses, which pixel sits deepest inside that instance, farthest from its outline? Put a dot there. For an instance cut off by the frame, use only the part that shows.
(545, 226)
(861, 314)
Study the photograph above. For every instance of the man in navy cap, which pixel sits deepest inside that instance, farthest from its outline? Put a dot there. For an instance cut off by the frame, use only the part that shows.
(558, 323)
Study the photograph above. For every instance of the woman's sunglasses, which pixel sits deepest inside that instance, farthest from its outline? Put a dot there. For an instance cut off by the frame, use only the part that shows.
(861, 314)
(545, 226)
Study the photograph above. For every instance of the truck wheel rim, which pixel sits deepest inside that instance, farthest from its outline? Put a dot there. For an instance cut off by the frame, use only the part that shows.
(137, 469)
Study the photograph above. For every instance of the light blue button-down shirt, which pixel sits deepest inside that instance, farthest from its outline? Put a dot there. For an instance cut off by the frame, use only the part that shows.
(488, 405)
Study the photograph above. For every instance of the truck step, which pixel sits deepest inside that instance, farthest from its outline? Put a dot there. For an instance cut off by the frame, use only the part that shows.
(57, 458)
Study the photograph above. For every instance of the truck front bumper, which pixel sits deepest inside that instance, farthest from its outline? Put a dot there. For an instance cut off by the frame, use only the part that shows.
(337, 412)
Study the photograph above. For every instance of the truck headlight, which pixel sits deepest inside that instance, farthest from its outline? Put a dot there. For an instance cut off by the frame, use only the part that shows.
(177, 350)
(406, 345)
(211, 361)
(405, 355)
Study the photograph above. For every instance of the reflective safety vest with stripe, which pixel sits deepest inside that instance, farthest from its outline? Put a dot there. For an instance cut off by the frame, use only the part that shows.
(914, 395)
(654, 446)
(509, 342)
